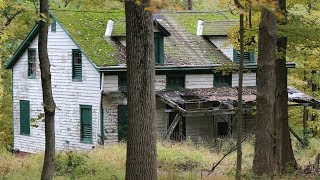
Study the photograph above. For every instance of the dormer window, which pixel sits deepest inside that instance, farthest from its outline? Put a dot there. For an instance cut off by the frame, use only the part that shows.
(31, 63)
(158, 48)
(248, 56)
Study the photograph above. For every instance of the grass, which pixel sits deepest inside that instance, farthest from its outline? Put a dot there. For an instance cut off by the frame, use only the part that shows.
(187, 160)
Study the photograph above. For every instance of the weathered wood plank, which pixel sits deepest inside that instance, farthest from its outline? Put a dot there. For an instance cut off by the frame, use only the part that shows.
(172, 126)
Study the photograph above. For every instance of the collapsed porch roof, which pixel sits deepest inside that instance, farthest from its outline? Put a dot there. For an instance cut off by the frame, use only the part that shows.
(222, 100)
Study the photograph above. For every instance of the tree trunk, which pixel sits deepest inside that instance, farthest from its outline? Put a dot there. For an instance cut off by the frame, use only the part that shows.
(189, 5)
(284, 157)
(48, 102)
(264, 145)
(141, 146)
(240, 108)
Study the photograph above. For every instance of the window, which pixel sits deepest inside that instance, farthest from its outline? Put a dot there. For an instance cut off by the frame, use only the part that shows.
(248, 56)
(85, 123)
(158, 48)
(76, 65)
(32, 63)
(175, 82)
(222, 80)
(122, 82)
(122, 122)
(54, 26)
(24, 117)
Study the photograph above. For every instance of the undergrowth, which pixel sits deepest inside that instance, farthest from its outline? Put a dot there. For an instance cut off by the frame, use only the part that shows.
(187, 160)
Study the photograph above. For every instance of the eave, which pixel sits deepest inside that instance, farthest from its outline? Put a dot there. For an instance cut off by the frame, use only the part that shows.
(165, 68)
(25, 44)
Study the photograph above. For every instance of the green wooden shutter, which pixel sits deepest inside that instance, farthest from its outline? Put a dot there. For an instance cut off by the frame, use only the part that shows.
(76, 65)
(122, 122)
(122, 82)
(251, 56)
(86, 123)
(158, 48)
(24, 117)
(248, 56)
(235, 55)
(54, 26)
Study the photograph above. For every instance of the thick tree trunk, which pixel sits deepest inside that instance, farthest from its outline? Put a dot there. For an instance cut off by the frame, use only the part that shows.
(265, 139)
(240, 107)
(48, 102)
(141, 146)
(284, 157)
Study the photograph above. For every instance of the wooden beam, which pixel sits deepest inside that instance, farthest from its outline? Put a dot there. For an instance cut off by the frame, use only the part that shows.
(173, 105)
(296, 136)
(172, 126)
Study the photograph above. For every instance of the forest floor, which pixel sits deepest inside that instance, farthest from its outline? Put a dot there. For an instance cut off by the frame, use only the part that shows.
(187, 160)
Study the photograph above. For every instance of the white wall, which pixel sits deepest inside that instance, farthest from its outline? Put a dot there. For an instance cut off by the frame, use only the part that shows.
(199, 81)
(223, 44)
(249, 79)
(67, 94)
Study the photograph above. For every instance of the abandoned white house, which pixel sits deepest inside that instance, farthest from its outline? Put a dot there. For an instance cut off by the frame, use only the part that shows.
(87, 56)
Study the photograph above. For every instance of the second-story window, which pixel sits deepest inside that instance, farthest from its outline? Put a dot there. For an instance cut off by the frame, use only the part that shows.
(54, 26)
(31, 63)
(175, 82)
(76, 65)
(222, 80)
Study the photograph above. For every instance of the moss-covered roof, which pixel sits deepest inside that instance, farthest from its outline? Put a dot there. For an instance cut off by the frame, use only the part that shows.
(217, 27)
(88, 29)
(189, 19)
(182, 47)
(119, 28)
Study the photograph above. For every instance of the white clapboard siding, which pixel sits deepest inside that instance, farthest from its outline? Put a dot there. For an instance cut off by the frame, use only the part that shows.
(110, 119)
(249, 79)
(68, 96)
(222, 43)
(162, 119)
(199, 127)
(160, 82)
(199, 81)
(110, 83)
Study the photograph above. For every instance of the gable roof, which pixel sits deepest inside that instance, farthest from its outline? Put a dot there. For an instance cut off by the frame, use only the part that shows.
(87, 30)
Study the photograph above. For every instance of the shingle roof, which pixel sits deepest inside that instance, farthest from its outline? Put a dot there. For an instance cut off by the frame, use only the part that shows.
(88, 29)
(182, 47)
(219, 27)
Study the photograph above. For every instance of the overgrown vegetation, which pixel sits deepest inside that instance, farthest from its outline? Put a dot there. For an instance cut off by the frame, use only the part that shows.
(175, 161)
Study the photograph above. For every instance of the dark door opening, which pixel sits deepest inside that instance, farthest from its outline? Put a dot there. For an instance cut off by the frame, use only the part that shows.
(122, 122)
(222, 129)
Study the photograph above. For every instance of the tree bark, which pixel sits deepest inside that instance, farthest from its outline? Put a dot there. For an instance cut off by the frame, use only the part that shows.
(189, 5)
(141, 145)
(265, 139)
(240, 107)
(48, 102)
(284, 154)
